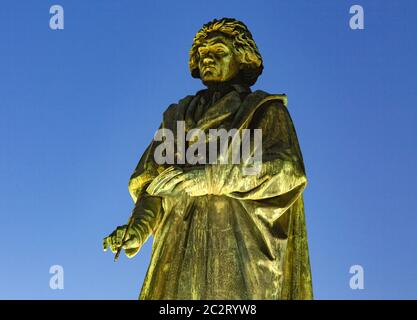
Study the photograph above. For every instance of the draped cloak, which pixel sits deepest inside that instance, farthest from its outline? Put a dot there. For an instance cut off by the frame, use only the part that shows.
(246, 241)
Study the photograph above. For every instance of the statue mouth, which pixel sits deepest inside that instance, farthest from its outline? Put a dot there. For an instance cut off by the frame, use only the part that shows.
(207, 69)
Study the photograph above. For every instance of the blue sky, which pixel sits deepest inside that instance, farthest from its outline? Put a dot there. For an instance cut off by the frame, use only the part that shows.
(78, 107)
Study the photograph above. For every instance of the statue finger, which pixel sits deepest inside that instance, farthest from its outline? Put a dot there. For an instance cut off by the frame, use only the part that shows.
(173, 182)
(113, 247)
(114, 243)
(120, 233)
(109, 242)
(105, 244)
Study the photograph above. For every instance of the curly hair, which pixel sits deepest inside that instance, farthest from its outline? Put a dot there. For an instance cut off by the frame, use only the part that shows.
(243, 43)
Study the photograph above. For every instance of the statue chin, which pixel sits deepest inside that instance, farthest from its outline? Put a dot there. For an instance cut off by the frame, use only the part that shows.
(213, 82)
(210, 78)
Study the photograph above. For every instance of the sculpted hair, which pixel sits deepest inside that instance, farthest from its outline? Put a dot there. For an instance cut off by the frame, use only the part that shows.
(245, 48)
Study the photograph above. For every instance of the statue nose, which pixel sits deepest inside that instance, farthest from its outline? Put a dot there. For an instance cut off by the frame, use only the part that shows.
(207, 61)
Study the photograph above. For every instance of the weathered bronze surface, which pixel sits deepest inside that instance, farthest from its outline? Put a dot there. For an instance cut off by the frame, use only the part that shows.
(219, 233)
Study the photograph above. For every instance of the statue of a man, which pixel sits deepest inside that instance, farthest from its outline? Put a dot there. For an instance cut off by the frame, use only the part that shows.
(222, 231)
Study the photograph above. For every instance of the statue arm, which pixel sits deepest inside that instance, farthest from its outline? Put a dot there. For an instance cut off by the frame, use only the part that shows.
(147, 213)
(143, 222)
(280, 172)
(282, 169)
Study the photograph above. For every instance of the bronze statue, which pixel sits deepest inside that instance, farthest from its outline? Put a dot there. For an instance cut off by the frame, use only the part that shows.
(221, 231)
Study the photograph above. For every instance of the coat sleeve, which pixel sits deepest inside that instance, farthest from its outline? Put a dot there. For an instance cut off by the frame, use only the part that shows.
(147, 213)
(148, 209)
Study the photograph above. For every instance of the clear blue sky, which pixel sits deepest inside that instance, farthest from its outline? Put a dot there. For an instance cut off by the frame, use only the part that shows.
(79, 106)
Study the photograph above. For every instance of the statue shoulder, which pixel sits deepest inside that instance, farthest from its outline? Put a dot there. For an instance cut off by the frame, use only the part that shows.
(173, 108)
(265, 97)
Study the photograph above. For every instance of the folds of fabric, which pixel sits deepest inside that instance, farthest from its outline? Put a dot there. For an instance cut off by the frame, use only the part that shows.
(246, 240)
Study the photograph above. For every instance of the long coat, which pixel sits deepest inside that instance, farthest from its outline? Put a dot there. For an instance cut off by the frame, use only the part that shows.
(247, 241)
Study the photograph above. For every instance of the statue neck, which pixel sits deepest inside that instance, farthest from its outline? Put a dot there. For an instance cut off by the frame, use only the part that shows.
(227, 86)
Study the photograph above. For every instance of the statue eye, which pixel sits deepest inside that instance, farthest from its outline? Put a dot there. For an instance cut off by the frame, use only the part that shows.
(220, 50)
(202, 51)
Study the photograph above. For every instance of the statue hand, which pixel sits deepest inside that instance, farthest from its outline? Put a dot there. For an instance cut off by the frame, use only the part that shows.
(193, 182)
(114, 241)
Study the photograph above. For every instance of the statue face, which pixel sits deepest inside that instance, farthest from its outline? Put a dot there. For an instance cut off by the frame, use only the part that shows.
(218, 61)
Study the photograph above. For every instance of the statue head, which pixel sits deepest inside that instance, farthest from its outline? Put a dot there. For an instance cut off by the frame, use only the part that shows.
(224, 50)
